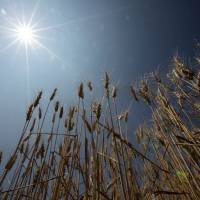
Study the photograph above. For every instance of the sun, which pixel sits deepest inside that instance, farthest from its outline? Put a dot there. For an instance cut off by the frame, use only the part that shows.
(22, 33)
(25, 34)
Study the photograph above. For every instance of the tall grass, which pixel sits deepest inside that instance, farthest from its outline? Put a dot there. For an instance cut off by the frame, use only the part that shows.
(86, 153)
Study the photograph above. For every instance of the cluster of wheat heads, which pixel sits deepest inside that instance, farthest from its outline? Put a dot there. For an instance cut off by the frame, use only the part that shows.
(84, 152)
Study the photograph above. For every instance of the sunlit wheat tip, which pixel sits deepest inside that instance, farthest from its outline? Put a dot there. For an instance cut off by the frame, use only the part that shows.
(40, 113)
(178, 62)
(90, 85)
(80, 91)
(96, 108)
(37, 100)
(114, 92)
(54, 118)
(66, 123)
(53, 94)
(29, 112)
(106, 81)
(188, 73)
(56, 106)
(144, 86)
(145, 96)
(61, 112)
(11, 162)
(133, 92)
(72, 111)
(156, 77)
(70, 124)
(42, 150)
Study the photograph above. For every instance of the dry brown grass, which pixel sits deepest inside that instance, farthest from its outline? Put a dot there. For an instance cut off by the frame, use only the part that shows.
(86, 153)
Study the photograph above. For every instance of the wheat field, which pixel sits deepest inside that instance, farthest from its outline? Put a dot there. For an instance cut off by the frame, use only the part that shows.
(85, 152)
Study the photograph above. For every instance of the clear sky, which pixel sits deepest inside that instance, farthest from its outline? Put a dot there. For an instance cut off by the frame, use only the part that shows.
(83, 38)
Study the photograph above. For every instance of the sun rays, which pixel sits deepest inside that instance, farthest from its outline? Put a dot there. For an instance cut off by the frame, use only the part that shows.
(21, 32)
(25, 34)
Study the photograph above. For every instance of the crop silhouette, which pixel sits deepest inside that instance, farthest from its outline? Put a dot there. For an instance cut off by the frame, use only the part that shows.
(83, 152)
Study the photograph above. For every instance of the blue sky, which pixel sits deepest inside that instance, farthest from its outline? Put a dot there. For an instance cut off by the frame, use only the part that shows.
(127, 38)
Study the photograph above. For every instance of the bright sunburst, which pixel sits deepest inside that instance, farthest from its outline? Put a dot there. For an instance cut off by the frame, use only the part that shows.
(25, 34)
(21, 33)
(24, 31)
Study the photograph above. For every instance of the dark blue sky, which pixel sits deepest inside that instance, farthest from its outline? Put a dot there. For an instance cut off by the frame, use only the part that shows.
(127, 38)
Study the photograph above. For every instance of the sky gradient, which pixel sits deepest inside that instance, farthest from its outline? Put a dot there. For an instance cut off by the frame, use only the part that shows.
(127, 38)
